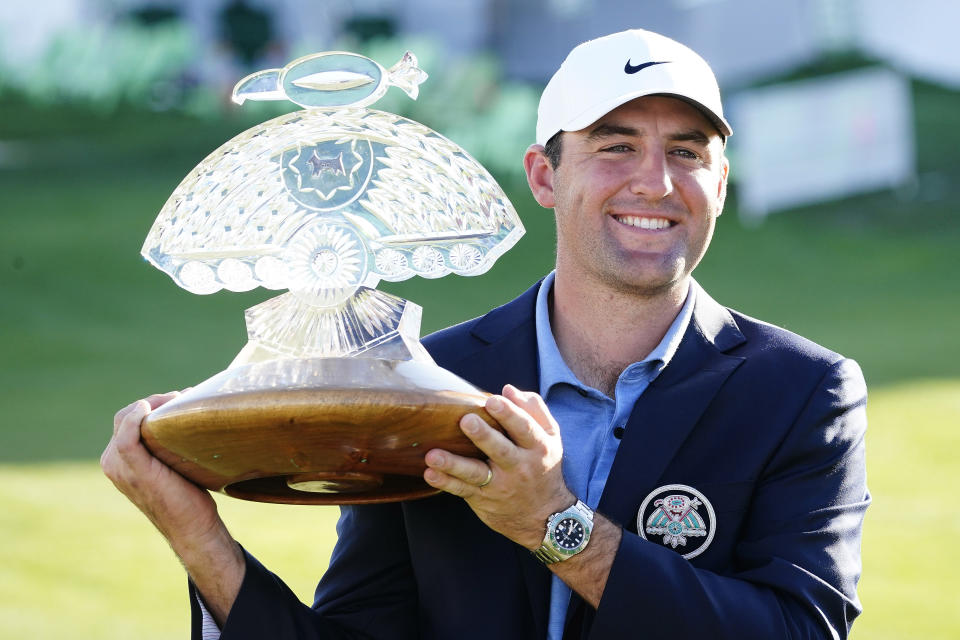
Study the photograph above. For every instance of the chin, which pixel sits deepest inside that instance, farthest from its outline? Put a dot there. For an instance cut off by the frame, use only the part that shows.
(643, 286)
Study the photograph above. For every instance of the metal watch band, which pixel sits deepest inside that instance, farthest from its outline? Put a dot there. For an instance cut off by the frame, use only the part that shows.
(548, 553)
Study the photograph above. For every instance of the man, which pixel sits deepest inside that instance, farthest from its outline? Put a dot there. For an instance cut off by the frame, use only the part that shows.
(691, 470)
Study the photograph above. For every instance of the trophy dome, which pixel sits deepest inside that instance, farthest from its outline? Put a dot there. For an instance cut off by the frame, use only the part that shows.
(411, 201)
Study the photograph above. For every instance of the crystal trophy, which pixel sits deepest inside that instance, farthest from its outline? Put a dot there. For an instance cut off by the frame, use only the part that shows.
(333, 400)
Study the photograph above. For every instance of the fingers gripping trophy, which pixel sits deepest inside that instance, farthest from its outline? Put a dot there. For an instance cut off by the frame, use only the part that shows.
(333, 400)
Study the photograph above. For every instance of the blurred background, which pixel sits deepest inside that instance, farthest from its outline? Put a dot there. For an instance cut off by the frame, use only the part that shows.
(842, 226)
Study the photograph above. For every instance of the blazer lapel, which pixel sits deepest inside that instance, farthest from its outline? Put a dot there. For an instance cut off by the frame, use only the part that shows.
(510, 356)
(509, 351)
(671, 406)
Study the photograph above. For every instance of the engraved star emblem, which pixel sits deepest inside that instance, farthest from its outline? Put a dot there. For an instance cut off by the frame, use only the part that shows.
(310, 172)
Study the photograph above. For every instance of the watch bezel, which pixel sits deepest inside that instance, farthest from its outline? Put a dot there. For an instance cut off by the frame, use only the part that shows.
(550, 550)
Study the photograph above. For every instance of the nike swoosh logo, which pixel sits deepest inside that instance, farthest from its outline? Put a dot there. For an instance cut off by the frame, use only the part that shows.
(629, 68)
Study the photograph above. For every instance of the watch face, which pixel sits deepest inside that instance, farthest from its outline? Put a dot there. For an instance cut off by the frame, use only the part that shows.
(568, 534)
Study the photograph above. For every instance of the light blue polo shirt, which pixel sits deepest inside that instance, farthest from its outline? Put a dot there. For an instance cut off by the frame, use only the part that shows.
(590, 421)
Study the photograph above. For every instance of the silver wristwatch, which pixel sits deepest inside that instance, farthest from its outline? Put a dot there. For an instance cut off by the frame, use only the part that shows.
(568, 533)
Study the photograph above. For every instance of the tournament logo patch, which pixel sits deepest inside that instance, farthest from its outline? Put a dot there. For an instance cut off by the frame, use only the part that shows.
(678, 516)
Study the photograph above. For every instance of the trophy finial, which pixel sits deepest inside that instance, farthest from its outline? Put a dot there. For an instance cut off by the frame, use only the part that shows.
(407, 75)
(331, 79)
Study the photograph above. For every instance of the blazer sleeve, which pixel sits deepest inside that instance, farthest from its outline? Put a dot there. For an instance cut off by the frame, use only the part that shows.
(796, 566)
(367, 592)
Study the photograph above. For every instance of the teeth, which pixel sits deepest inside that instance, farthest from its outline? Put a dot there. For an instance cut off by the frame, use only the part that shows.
(644, 223)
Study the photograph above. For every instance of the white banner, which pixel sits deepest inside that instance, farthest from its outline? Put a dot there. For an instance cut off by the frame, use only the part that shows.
(823, 138)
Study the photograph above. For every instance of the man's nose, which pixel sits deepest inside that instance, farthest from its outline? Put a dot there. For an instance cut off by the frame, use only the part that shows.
(651, 176)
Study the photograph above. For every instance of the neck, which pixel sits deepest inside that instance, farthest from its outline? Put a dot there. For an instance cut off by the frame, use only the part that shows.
(600, 331)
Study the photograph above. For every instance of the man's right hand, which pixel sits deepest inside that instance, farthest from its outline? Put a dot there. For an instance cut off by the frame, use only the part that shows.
(184, 513)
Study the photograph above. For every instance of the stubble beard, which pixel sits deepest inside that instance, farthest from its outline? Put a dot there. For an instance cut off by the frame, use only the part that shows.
(600, 260)
(602, 266)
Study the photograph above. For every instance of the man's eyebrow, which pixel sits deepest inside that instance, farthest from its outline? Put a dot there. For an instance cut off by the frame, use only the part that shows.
(691, 135)
(607, 130)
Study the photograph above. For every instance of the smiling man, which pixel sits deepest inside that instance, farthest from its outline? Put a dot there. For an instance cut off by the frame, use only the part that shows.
(669, 467)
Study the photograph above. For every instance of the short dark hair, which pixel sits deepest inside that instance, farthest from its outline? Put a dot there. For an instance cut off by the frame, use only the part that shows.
(553, 148)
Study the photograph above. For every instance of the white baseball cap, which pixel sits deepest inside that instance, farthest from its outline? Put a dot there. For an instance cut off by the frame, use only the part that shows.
(600, 75)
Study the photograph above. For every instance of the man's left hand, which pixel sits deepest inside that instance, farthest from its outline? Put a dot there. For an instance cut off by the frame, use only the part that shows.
(526, 485)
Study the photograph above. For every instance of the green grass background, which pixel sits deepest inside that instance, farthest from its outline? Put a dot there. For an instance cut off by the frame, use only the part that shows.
(87, 326)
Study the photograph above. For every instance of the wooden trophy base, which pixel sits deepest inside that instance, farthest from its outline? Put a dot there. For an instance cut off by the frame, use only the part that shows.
(316, 431)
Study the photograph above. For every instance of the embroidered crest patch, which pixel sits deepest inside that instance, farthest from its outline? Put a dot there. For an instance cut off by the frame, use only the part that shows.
(679, 517)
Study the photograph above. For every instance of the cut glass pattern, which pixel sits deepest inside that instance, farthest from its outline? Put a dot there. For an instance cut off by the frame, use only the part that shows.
(326, 202)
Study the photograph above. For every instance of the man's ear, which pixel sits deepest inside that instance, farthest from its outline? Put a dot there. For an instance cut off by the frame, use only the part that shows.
(539, 175)
(722, 185)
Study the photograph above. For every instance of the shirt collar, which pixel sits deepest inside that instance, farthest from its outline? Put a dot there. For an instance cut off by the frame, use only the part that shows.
(553, 369)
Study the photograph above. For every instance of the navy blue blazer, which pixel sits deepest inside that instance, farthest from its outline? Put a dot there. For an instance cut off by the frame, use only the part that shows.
(765, 424)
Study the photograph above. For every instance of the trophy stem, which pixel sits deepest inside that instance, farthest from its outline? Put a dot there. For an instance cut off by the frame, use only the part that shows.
(370, 324)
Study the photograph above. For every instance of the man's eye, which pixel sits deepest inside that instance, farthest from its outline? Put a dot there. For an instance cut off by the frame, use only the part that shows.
(686, 153)
(617, 148)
